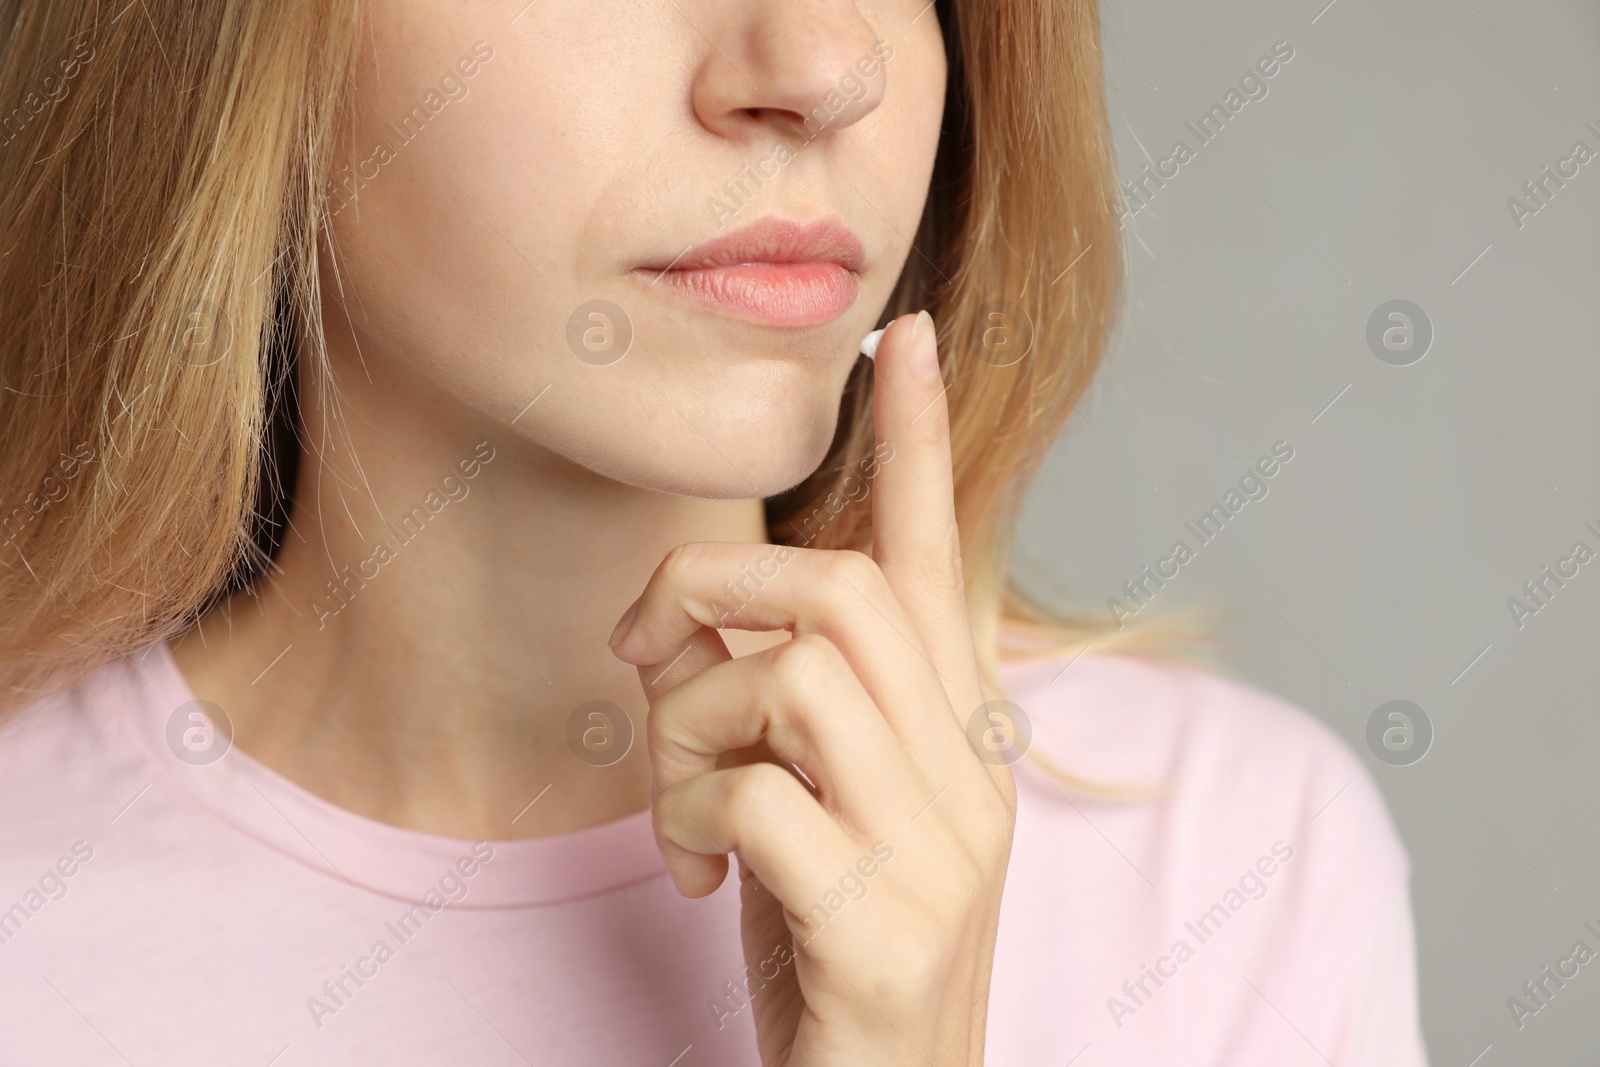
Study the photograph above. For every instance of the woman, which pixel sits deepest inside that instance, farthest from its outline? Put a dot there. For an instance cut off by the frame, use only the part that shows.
(447, 515)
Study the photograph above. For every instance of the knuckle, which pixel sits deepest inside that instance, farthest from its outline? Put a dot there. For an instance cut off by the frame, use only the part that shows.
(758, 795)
(967, 880)
(679, 563)
(913, 964)
(988, 827)
(847, 571)
(922, 964)
(802, 663)
(961, 883)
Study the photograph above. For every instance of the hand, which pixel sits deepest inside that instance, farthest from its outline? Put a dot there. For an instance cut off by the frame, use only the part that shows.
(870, 895)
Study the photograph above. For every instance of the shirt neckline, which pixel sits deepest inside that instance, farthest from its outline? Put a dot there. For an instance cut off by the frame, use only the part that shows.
(364, 853)
(405, 864)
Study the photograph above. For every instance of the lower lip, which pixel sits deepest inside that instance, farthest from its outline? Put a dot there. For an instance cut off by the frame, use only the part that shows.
(768, 294)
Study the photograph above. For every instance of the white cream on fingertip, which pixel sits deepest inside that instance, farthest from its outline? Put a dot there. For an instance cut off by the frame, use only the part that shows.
(869, 344)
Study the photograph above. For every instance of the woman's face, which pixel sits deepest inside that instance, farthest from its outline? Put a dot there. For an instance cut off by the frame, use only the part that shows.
(670, 221)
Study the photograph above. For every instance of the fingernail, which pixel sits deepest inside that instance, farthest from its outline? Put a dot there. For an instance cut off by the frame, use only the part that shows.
(869, 344)
(925, 350)
(623, 625)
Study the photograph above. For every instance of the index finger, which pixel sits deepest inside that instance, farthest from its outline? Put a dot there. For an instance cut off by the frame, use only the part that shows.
(914, 536)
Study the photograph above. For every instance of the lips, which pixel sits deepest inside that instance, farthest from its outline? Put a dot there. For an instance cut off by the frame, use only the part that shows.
(772, 273)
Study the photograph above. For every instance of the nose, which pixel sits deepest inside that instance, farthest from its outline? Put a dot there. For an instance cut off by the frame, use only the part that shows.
(807, 67)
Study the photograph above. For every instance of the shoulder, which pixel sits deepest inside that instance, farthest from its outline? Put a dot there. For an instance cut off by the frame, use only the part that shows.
(1259, 865)
(67, 766)
(1233, 774)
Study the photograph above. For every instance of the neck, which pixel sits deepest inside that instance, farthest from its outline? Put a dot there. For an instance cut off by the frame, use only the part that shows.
(438, 609)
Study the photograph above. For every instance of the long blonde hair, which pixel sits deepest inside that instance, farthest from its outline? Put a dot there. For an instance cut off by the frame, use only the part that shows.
(161, 201)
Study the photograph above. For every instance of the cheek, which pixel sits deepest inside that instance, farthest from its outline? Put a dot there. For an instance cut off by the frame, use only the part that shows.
(457, 230)
(892, 162)
(479, 224)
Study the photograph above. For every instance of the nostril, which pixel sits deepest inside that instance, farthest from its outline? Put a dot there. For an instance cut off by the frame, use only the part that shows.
(777, 70)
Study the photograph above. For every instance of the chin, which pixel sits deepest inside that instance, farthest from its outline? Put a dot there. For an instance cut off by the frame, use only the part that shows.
(762, 447)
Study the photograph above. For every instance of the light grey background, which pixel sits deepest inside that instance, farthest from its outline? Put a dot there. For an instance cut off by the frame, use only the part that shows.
(1378, 167)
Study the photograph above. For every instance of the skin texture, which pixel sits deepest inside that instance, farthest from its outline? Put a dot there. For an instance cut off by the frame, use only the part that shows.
(435, 692)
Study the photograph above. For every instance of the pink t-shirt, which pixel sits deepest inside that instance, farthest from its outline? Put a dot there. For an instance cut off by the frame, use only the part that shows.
(158, 911)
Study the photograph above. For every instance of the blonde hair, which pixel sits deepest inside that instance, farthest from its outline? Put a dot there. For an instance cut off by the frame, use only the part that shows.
(165, 201)
(157, 193)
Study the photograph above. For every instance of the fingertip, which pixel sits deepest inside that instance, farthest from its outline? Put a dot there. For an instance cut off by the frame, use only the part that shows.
(624, 626)
(699, 876)
(909, 397)
(693, 874)
(626, 653)
(913, 339)
(924, 347)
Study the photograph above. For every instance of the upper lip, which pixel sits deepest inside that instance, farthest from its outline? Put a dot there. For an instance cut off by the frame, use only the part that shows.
(773, 241)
